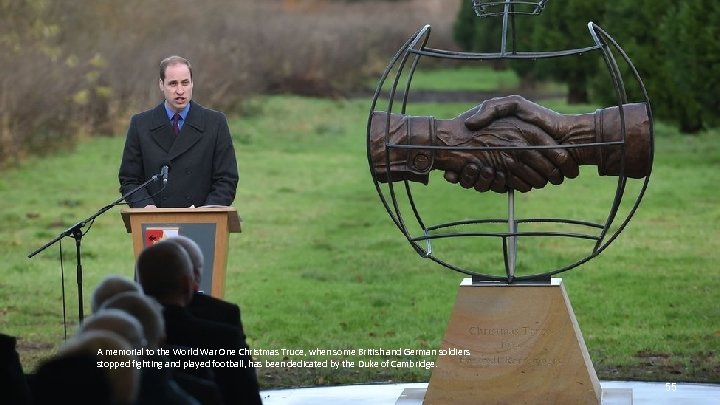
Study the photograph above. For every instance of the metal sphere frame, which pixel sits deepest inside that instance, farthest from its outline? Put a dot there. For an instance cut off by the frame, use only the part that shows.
(411, 52)
(502, 7)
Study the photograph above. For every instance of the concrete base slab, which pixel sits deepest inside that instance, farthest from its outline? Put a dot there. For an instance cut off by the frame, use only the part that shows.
(411, 396)
(643, 393)
(610, 396)
(617, 396)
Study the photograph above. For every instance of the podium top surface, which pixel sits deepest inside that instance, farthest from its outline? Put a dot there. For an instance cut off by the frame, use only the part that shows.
(158, 213)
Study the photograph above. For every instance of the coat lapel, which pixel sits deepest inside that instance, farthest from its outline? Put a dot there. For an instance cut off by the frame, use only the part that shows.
(160, 128)
(190, 133)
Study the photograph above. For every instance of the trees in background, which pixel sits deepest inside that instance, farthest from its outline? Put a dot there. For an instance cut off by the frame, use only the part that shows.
(690, 35)
(82, 67)
(476, 37)
(672, 44)
(642, 44)
(29, 39)
(560, 26)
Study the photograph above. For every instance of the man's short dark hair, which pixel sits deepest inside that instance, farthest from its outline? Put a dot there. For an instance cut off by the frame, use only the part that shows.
(173, 60)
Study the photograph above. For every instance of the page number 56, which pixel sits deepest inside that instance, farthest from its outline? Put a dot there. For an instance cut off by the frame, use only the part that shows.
(670, 387)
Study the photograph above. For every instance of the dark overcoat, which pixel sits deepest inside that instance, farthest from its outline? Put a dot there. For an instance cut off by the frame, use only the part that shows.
(207, 307)
(203, 168)
(238, 384)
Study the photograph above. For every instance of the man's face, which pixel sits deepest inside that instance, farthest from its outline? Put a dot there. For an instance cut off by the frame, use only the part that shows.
(177, 87)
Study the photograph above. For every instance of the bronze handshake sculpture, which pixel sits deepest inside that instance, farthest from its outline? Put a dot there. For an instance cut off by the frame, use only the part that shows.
(510, 143)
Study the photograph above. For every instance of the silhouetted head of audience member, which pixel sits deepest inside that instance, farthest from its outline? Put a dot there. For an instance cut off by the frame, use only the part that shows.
(102, 349)
(108, 287)
(120, 322)
(165, 273)
(146, 310)
(196, 256)
(71, 379)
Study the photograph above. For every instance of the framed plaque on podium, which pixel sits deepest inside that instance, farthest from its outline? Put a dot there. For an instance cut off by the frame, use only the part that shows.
(208, 227)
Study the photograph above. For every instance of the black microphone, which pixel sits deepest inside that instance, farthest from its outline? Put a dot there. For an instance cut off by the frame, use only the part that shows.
(164, 174)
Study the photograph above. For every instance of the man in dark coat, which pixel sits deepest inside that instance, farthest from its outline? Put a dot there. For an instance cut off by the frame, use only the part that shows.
(205, 306)
(165, 273)
(192, 141)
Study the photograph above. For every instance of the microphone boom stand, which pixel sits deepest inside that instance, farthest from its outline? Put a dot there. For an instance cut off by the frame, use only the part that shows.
(75, 232)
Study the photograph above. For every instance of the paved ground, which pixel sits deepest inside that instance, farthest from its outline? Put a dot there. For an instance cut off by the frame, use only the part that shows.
(644, 393)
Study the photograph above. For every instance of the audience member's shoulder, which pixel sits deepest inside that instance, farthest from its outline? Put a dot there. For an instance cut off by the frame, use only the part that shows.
(72, 379)
(210, 323)
(11, 372)
(217, 329)
(7, 343)
(208, 307)
(202, 298)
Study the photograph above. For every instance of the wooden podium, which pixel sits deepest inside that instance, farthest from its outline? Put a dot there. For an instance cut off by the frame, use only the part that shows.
(208, 227)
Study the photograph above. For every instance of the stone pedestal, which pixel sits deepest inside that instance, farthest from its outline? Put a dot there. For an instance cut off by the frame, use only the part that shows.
(513, 344)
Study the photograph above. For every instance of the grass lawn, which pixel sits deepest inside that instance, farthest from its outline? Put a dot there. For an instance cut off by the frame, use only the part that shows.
(465, 78)
(320, 265)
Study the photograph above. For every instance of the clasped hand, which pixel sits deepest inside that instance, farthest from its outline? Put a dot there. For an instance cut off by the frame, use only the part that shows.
(511, 126)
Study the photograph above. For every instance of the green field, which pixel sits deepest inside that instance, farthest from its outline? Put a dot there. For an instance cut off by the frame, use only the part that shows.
(319, 264)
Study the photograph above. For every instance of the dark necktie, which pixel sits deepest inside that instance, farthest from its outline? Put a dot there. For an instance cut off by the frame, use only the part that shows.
(176, 123)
